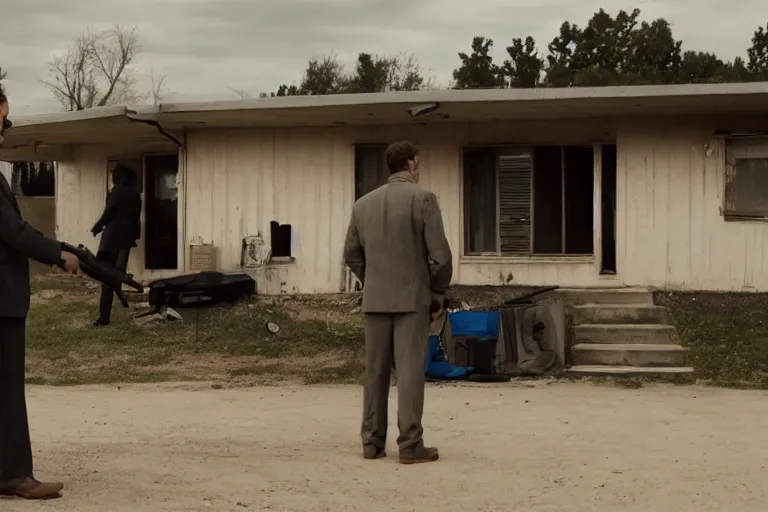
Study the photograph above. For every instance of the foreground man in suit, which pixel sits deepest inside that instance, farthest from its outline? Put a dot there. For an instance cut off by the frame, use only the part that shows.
(120, 227)
(18, 242)
(397, 247)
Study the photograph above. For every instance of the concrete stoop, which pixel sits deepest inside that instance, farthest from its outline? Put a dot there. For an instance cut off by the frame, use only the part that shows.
(622, 332)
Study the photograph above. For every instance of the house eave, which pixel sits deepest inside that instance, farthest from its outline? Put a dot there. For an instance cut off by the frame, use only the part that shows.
(112, 124)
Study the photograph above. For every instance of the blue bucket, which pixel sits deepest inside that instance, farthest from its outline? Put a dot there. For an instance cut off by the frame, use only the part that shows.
(482, 324)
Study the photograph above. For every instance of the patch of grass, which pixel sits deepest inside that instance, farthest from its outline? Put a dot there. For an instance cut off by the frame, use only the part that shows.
(351, 371)
(228, 342)
(248, 371)
(726, 333)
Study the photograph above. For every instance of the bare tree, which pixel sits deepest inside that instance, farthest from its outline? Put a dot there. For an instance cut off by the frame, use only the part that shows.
(158, 90)
(95, 71)
(404, 73)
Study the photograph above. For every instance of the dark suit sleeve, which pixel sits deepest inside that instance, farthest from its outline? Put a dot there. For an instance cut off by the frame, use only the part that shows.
(354, 255)
(109, 210)
(23, 238)
(438, 250)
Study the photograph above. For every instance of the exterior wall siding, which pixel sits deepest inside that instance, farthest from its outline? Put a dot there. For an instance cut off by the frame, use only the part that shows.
(670, 230)
(239, 180)
(81, 192)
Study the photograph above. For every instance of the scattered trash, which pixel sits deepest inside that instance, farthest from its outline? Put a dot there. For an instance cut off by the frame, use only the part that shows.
(172, 314)
(273, 328)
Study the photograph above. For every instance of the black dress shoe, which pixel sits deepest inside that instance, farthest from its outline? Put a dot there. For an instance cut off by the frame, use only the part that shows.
(100, 323)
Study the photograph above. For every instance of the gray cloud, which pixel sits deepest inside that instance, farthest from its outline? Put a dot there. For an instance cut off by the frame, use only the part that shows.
(205, 46)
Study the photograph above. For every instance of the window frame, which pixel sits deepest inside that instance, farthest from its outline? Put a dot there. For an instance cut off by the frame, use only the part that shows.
(529, 148)
(735, 149)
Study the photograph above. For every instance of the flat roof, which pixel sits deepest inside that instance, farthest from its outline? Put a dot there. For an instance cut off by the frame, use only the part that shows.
(112, 124)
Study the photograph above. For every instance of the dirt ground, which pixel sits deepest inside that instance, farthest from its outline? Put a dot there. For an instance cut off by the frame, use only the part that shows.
(532, 446)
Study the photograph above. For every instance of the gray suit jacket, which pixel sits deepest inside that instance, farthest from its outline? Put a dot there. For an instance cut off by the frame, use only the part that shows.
(396, 246)
(18, 242)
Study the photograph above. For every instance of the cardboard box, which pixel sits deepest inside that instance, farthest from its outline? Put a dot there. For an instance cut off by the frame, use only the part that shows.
(202, 258)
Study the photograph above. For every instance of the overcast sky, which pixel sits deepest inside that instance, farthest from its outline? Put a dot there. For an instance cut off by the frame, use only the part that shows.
(205, 46)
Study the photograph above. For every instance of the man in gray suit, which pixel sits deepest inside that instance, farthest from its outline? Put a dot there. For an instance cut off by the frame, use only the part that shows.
(18, 242)
(396, 246)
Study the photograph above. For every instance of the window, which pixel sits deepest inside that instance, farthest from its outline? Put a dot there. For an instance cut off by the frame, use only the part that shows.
(529, 201)
(280, 237)
(370, 168)
(746, 179)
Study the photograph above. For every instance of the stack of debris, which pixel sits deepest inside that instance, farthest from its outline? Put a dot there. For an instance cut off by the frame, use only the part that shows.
(520, 337)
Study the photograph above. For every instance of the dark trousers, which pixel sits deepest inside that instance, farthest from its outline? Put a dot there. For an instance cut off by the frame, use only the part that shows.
(401, 338)
(15, 448)
(118, 258)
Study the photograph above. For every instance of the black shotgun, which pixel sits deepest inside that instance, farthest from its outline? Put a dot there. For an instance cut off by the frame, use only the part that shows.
(102, 272)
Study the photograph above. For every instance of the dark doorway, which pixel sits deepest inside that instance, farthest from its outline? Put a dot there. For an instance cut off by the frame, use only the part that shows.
(161, 212)
(608, 205)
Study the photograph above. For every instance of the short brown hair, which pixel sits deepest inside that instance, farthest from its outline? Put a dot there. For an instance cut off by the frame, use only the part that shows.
(399, 153)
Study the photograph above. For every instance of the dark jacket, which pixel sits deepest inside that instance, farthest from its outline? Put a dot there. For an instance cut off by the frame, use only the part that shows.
(18, 242)
(120, 224)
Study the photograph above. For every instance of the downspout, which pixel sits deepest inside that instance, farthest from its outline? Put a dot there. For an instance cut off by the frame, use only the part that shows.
(133, 116)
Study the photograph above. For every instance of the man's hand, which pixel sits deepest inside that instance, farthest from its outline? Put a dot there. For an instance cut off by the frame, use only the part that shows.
(437, 305)
(95, 230)
(71, 262)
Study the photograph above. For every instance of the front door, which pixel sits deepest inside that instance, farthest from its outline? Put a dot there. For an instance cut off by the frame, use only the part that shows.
(161, 212)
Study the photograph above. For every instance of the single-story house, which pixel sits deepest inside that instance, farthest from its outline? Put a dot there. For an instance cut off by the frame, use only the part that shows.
(651, 186)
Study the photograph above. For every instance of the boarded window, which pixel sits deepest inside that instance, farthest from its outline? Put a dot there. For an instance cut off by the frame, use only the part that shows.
(370, 168)
(746, 188)
(536, 200)
(746, 179)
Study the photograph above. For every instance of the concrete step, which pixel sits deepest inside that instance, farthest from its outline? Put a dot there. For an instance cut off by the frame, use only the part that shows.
(624, 333)
(626, 371)
(606, 295)
(620, 314)
(627, 354)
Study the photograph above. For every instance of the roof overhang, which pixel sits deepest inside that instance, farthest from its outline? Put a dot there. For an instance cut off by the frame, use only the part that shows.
(471, 105)
(52, 136)
(113, 124)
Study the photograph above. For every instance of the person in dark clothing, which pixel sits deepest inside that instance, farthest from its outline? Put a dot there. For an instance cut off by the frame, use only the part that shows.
(18, 243)
(120, 228)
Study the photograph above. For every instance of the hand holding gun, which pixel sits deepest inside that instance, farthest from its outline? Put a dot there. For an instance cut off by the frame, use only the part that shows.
(69, 262)
(80, 257)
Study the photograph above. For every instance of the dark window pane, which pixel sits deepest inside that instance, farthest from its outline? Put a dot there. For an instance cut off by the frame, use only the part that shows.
(370, 169)
(480, 200)
(579, 199)
(747, 188)
(547, 200)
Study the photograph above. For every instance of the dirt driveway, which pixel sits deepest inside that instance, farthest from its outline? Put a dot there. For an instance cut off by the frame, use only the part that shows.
(534, 447)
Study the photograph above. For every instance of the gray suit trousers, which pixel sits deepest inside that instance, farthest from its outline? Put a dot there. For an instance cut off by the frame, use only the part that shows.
(401, 338)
